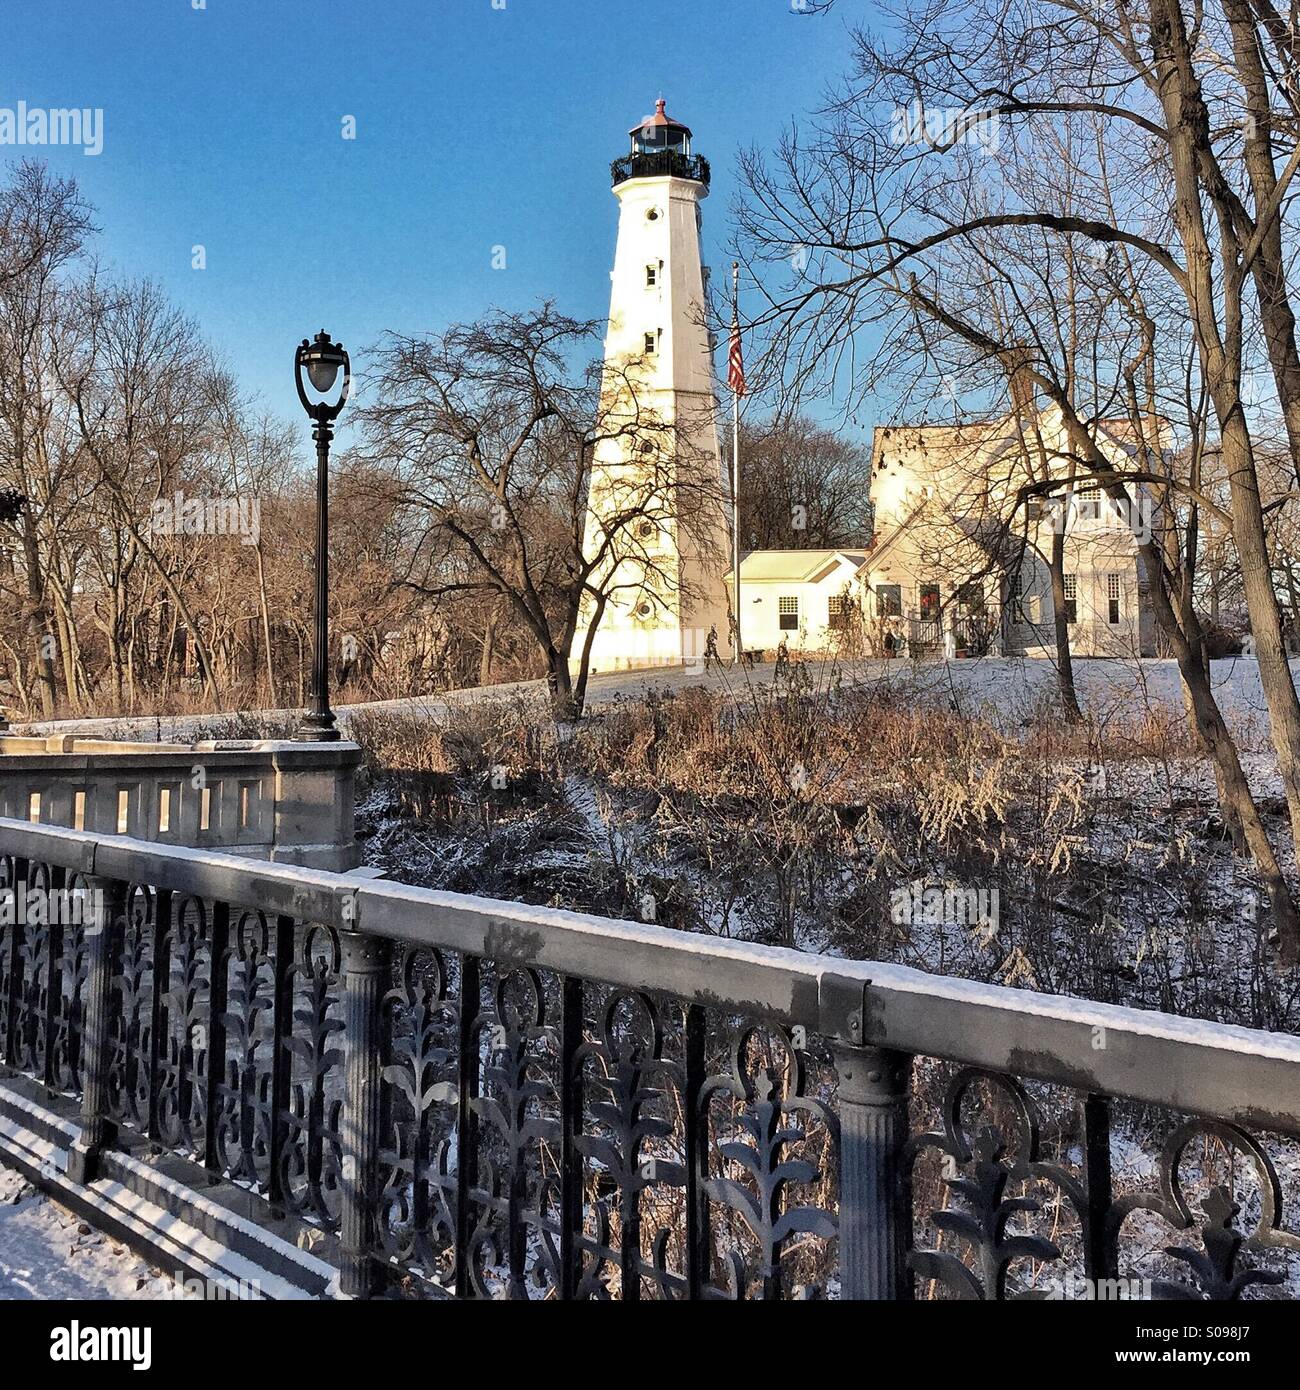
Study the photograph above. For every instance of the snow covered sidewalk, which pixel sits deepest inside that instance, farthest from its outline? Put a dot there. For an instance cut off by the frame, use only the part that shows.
(46, 1252)
(1010, 691)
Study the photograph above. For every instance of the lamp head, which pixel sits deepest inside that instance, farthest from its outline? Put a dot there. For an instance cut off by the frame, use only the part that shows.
(320, 359)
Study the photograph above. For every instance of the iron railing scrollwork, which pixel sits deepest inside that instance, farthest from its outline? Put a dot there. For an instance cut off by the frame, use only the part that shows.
(481, 1109)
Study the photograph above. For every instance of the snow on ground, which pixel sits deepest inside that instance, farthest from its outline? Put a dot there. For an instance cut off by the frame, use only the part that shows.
(47, 1252)
(1007, 689)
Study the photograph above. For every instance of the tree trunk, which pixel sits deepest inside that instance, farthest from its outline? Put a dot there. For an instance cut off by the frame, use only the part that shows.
(38, 620)
(489, 644)
(1188, 125)
(584, 663)
(266, 627)
(1239, 806)
(1269, 269)
(1061, 630)
(559, 684)
(1265, 617)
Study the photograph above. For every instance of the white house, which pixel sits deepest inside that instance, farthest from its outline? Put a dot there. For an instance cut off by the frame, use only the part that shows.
(802, 597)
(963, 538)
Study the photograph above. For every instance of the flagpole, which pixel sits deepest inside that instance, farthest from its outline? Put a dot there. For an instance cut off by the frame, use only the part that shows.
(735, 466)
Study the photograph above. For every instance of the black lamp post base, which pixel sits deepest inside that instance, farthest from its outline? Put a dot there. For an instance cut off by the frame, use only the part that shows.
(318, 728)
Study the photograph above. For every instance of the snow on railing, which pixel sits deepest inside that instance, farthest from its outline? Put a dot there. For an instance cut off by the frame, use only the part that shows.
(486, 1098)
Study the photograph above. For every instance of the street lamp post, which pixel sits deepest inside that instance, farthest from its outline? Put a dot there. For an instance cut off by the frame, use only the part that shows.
(12, 503)
(316, 366)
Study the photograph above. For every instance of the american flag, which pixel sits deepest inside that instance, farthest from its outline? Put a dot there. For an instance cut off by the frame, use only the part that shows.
(735, 362)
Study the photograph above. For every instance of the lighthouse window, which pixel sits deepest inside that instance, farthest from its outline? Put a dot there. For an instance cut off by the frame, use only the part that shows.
(652, 215)
(651, 342)
(651, 276)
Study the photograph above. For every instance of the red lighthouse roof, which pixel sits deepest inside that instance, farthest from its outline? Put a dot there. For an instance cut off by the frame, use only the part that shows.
(660, 118)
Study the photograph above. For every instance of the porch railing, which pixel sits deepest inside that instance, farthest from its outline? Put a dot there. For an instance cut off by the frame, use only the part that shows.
(489, 1099)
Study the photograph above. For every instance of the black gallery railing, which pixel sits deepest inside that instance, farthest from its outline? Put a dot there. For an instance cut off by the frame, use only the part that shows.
(484, 1099)
(653, 164)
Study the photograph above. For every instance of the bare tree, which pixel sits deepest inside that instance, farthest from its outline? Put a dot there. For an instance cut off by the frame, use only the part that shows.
(901, 225)
(44, 224)
(803, 487)
(139, 378)
(493, 433)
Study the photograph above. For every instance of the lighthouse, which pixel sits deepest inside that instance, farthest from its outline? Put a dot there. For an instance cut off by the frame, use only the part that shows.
(656, 508)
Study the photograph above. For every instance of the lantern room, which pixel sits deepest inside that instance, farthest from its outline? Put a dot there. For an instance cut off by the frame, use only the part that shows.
(659, 133)
(660, 147)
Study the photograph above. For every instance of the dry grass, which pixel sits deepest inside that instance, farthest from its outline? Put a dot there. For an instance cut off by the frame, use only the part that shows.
(795, 815)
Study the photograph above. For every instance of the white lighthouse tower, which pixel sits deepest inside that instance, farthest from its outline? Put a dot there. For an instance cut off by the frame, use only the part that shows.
(665, 569)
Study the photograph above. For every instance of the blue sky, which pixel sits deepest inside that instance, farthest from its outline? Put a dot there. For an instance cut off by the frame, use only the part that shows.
(476, 127)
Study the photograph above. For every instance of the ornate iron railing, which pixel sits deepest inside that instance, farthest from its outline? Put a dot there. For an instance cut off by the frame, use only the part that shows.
(489, 1099)
(660, 164)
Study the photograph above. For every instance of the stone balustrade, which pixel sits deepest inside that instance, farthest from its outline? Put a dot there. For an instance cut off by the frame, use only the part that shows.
(280, 800)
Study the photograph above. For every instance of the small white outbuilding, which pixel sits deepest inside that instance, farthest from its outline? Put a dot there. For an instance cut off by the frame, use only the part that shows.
(803, 597)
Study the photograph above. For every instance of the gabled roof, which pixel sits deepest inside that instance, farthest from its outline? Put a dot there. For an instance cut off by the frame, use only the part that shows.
(885, 543)
(796, 566)
(996, 434)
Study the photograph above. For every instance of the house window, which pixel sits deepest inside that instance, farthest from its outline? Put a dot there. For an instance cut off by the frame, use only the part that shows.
(1028, 605)
(889, 601)
(1071, 598)
(837, 612)
(651, 343)
(929, 603)
(1113, 594)
(970, 599)
(1022, 581)
(651, 276)
(787, 609)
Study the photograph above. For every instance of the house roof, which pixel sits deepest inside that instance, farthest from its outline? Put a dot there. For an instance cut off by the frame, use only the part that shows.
(885, 542)
(952, 437)
(996, 435)
(795, 566)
